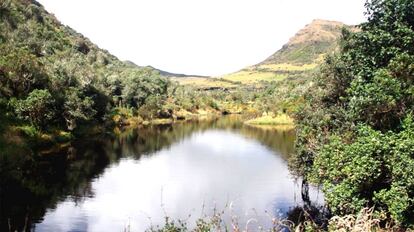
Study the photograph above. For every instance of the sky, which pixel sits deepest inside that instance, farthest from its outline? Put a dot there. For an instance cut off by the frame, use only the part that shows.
(203, 37)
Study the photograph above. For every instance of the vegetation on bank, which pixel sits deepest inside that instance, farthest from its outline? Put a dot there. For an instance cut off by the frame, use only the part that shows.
(363, 221)
(279, 119)
(355, 116)
(53, 81)
(356, 128)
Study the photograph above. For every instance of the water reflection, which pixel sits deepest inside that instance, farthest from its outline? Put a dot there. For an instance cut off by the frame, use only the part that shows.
(108, 183)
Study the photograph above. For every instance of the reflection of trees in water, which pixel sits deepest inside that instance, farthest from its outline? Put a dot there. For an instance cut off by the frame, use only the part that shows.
(31, 184)
(147, 140)
(309, 211)
(45, 180)
(281, 141)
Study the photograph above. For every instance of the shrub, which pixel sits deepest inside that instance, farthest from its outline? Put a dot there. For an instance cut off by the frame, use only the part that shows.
(355, 131)
(37, 108)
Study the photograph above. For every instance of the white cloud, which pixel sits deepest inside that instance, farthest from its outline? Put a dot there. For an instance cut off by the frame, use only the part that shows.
(209, 37)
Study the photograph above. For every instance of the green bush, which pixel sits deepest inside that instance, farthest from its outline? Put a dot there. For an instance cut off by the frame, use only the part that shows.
(355, 130)
(77, 108)
(37, 108)
(375, 168)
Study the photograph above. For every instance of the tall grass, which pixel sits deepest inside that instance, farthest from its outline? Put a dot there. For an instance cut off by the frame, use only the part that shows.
(364, 221)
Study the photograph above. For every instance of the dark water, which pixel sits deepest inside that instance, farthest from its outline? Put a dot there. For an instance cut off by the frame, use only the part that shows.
(137, 178)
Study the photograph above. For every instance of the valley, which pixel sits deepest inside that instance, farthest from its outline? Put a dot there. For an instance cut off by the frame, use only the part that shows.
(317, 137)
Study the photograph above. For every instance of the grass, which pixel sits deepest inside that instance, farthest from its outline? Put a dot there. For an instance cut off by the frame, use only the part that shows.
(205, 83)
(63, 136)
(249, 76)
(253, 76)
(363, 221)
(54, 136)
(161, 121)
(219, 220)
(280, 119)
(287, 67)
(289, 127)
(29, 131)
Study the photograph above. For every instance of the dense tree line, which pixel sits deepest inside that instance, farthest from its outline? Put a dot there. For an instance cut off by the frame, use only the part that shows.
(356, 129)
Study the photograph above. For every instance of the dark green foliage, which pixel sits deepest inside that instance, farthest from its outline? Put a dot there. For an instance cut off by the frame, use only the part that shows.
(139, 85)
(20, 71)
(50, 76)
(375, 168)
(77, 107)
(356, 129)
(37, 108)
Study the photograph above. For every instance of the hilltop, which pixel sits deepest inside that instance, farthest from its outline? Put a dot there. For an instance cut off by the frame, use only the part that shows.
(302, 54)
(309, 44)
(298, 57)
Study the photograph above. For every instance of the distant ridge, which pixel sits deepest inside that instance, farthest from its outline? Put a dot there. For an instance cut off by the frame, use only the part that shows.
(298, 57)
(302, 53)
(169, 74)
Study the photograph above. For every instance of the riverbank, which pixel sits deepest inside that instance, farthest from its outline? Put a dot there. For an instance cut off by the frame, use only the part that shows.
(180, 154)
(361, 222)
(17, 136)
(270, 119)
(123, 117)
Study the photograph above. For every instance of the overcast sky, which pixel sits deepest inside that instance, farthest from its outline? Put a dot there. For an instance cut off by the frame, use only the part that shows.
(206, 37)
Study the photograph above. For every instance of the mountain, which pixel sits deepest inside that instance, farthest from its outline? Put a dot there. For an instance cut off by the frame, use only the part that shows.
(71, 80)
(27, 25)
(175, 75)
(308, 45)
(303, 53)
(299, 56)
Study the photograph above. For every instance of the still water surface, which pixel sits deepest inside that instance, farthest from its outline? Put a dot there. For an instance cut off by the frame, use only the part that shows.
(183, 171)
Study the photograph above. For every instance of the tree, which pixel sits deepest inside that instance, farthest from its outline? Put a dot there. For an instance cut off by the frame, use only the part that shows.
(37, 108)
(20, 72)
(77, 108)
(355, 130)
(139, 85)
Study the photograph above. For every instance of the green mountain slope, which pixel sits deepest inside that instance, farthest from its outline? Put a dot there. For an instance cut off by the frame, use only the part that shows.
(68, 78)
(303, 53)
(309, 44)
(297, 58)
(177, 75)
(25, 24)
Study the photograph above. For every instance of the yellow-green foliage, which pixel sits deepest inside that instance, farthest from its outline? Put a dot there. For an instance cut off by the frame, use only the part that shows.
(162, 121)
(125, 116)
(205, 83)
(287, 67)
(280, 119)
(254, 76)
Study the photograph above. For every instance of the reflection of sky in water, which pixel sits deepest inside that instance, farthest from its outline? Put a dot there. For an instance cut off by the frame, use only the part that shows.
(213, 167)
